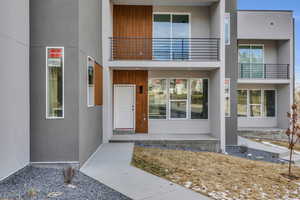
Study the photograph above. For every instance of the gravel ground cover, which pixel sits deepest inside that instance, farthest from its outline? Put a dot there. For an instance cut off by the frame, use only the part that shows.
(220, 176)
(40, 183)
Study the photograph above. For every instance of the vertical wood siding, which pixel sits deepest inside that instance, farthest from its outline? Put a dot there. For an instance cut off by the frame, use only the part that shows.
(131, 26)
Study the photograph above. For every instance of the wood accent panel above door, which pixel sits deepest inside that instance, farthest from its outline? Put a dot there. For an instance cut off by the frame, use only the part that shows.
(132, 32)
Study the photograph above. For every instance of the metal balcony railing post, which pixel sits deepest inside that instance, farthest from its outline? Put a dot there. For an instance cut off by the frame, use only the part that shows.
(265, 71)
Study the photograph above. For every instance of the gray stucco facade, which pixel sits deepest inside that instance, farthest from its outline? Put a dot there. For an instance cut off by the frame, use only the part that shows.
(76, 27)
(14, 86)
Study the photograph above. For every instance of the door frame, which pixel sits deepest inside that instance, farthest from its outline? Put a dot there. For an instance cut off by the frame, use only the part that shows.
(134, 103)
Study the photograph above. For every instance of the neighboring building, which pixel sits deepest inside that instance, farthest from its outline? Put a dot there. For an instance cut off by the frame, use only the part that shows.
(178, 71)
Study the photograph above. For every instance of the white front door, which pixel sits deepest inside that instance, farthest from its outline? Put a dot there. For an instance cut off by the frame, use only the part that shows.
(124, 107)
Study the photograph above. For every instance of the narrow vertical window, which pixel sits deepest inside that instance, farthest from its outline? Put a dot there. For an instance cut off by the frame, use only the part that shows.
(242, 103)
(227, 97)
(269, 103)
(227, 28)
(255, 103)
(199, 99)
(91, 82)
(178, 98)
(157, 99)
(55, 79)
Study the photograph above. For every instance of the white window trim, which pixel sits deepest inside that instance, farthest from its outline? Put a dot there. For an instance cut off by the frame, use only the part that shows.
(63, 82)
(87, 76)
(229, 96)
(262, 104)
(252, 45)
(171, 32)
(227, 21)
(168, 110)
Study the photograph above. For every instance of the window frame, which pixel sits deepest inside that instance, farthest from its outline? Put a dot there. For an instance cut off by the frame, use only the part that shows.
(167, 98)
(168, 111)
(229, 97)
(87, 76)
(227, 22)
(250, 54)
(63, 82)
(252, 104)
(262, 103)
(189, 14)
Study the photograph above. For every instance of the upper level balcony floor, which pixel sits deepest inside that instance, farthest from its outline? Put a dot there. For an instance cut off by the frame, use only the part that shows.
(168, 31)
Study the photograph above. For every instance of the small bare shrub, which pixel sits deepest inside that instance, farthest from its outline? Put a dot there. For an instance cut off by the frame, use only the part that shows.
(69, 175)
(293, 132)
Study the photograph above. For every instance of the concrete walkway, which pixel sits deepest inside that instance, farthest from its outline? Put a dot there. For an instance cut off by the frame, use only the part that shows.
(111, 166)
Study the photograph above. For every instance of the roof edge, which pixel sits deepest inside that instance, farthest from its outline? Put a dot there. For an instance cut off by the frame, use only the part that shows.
(289, 11)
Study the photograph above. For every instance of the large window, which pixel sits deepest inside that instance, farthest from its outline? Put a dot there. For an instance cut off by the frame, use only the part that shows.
(256, 103)
(171, 33)
(158, 99)
(55, 79)
(251, 58)
(178, 99)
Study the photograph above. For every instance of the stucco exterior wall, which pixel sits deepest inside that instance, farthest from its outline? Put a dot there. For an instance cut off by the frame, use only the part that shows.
(265, 25)
(54, 23)
(90, 41)
(14, 86)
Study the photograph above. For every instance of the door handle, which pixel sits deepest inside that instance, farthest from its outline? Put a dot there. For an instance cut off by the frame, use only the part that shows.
(132, 107)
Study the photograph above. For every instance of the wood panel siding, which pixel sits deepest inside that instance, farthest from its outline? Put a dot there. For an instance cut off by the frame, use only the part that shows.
(98, 85)
(131, 26)
(140, 79)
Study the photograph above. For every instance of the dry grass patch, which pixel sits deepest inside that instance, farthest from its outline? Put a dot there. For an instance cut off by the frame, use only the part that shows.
(219, 176)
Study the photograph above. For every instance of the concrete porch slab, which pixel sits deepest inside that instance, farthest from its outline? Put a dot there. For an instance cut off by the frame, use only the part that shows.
(161, 137)
(111, 166)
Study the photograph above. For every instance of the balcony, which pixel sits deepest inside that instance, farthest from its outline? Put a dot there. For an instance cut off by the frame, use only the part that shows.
(165, 49)
(258, 71)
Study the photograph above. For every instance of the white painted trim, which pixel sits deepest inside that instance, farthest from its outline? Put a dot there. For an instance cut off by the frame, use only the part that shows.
(251, 45)
(91, 157)
(188, 109)
(134, 103)
(227, 21)
(263, 81)
(63, 82)
(171, 31)
(262, 103)
(87, 81)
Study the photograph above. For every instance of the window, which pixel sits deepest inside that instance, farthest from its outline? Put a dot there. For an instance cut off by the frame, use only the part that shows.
(199, 99)
(54, 84)
(227, 28)
(251, 58)
(242, 99)
(227, 97)
(269, 103)
(157, 99)
(91, 82)
(178, 99)
(171, 32)
(256, 103)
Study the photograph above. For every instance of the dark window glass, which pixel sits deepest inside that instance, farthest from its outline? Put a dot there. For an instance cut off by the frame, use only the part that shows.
(269, 103)
(199, 99)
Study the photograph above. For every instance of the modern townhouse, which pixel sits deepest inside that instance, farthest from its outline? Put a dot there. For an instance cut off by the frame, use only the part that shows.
(179, 72)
